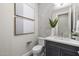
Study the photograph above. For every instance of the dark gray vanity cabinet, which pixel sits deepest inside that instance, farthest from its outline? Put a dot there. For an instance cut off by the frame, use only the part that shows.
(58, 49)
(65, 52)
(52, 50)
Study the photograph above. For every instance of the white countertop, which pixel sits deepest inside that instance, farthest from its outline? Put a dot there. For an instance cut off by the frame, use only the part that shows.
(61, 40)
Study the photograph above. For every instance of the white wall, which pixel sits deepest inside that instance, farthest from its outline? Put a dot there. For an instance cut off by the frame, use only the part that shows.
(9, 43)
(45, 12)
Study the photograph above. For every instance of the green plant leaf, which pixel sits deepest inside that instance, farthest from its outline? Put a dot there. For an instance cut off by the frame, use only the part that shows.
(53, 22)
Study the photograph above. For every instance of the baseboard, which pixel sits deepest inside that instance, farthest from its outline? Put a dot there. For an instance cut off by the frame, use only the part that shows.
(28, 53)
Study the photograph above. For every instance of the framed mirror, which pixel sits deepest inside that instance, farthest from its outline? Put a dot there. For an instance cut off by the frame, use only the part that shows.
(75, 19)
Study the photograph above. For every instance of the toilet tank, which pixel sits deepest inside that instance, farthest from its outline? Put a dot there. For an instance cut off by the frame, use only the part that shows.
(41, 42)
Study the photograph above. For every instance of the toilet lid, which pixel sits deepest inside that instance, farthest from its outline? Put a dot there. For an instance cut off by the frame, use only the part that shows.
(37, 48)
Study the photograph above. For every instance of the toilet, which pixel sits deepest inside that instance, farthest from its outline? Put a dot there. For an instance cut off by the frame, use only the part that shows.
(37, 50)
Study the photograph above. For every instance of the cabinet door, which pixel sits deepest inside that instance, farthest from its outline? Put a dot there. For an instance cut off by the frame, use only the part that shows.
(52, 51)
(65, 52)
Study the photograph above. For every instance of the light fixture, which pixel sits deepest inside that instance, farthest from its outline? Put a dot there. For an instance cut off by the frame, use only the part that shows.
(59, 4)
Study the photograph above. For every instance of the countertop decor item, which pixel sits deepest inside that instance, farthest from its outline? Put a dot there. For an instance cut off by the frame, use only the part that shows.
(53, 23)
(75, 34)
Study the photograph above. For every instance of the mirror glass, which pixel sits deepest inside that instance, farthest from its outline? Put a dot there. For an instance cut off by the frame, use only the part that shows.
(68, 24)
(63, 25)
(75, 20)
(76, 10)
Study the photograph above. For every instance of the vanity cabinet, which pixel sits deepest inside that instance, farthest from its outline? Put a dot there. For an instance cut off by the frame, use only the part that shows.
(65, 52)
(52, 50)
(59, 49)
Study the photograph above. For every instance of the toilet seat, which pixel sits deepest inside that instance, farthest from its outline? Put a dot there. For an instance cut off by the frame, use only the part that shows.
(37, 48)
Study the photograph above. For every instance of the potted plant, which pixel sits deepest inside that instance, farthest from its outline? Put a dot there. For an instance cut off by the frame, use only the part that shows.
(53, 23)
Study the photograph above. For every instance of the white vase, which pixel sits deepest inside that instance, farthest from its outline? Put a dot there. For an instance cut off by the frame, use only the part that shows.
(52, 31)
